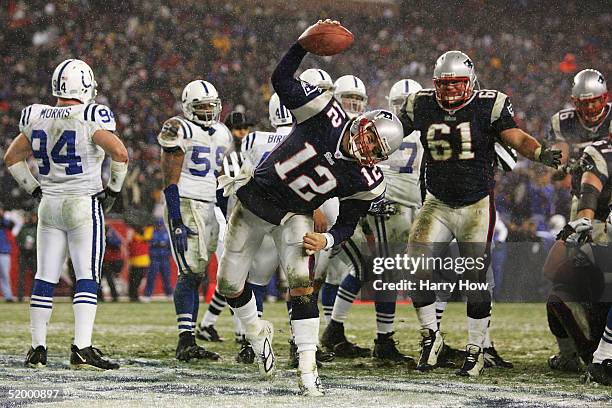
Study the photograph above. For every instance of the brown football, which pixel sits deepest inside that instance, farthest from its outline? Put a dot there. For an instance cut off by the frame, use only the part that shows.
(326, 39)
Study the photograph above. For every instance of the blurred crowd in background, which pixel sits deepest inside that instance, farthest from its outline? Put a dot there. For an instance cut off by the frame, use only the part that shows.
(144, 52)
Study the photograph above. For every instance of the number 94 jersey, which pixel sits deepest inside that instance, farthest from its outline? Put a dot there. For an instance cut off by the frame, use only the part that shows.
(459, 145)
(69, 162)
(204, 148)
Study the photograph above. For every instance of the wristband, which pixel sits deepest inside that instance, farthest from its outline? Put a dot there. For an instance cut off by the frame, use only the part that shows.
(118, 171)
(329, 238)
(22, 174)
(173, 202)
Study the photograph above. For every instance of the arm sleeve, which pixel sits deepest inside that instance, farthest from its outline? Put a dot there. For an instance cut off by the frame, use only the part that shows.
(302, 99)
(502, 114)
(350, 213)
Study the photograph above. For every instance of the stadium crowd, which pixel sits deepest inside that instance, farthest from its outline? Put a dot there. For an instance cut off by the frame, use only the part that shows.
(144, 52)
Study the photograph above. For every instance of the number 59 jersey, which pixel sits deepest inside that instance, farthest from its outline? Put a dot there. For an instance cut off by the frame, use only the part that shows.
(69, 162)
(204, 148)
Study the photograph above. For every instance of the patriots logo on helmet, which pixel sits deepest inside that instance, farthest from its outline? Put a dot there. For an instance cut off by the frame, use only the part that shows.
(468, 62)
(308, 88)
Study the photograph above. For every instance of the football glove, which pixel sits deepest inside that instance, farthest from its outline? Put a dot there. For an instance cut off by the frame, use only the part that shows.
(107, 198)
(179, 233)
(576, 232)
(548, 157)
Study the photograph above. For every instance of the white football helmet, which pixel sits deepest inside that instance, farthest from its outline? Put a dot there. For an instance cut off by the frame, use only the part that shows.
(351, 93)
(74, 79)
(374, 136)
(201, 103)
(400, 91)
(279, 114)
(318, 78)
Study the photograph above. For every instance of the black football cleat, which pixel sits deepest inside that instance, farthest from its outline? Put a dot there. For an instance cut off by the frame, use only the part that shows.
(473, 363)
(335, 341)
(385, 349)
(600, 372)
(569, 364)
(450, 357)
(36, 357)
(89, 358)
(431, 348)
(188, 350)
(493, 359)
(246, 355)
(207, 333)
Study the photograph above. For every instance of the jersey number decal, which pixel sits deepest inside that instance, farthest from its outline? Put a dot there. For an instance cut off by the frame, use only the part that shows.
(199, 157)
(441, 149)
(408, 149)
(302, 183)
(68, 139)
(336, 114)
(371, 174)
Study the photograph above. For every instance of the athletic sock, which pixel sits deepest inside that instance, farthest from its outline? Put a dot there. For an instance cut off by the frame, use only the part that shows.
(84, 304)
(349, 288)
(328, 298)
(385, 316)
(259, 292)
(245, 309)
(41, 306)
(440, 307)
(216, 306)
(184, 303)
(477, 330)
(427, 316)
(604, 350)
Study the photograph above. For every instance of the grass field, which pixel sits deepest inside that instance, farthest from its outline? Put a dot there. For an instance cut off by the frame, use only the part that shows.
(142, 337)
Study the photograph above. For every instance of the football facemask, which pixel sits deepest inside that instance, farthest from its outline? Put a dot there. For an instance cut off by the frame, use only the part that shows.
(591, 110)
(453, 92)
(206, 113)
(353, 104)
(365, 145)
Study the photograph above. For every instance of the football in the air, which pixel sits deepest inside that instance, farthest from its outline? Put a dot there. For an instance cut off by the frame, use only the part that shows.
(326, 38)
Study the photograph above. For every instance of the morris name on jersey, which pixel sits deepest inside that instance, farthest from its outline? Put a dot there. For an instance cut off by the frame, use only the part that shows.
(459, 145)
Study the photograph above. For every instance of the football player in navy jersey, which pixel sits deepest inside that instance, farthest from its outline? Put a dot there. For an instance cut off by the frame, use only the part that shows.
(459, 127)
(573, 129)
(326, 155)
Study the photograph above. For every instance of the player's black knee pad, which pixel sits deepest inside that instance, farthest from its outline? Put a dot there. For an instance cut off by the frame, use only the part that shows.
(479, 310)
(241, 300)
(304, 307)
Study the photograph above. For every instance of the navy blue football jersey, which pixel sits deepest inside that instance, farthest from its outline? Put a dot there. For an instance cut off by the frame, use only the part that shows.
(459, 145)
(309, 166)
(566, 126)
(597, 159)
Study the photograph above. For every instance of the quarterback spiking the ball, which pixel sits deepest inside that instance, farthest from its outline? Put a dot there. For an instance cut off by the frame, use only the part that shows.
(326, 155)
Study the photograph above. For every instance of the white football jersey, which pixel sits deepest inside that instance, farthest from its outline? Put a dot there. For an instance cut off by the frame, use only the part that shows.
(257, 145)
(402, 171)
(204, 150)
(69, 162)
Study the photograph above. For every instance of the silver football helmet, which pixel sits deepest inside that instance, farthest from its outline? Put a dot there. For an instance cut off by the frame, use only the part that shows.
(590, 95)
(351, 92)
(279, 114)
(201, 103)
(454, 79)
(374, 136)
(74, 79)
(318, 77)
(400, 91)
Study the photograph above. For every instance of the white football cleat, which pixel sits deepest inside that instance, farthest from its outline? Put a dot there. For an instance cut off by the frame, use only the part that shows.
(473, 363)
(310, 384)
(262, 346)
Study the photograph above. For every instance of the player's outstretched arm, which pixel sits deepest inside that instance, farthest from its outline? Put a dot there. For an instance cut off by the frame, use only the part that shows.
(15, 161)
(529, 147)
(115, 148)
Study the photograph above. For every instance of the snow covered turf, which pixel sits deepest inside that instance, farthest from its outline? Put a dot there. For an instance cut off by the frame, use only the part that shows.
(142, 338)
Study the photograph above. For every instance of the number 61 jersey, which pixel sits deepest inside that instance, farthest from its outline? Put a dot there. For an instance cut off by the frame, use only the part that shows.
(69, 162)
(459, 145)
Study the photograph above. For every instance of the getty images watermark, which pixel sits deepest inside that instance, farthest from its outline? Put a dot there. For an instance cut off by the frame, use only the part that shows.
(403, 263)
